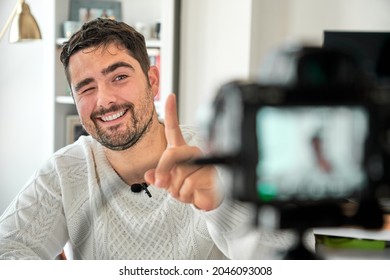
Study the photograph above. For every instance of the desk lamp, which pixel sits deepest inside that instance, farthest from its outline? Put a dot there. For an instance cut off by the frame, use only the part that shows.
(23, 27)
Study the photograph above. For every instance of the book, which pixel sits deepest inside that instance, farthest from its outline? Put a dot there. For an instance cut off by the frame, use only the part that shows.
(155, 59)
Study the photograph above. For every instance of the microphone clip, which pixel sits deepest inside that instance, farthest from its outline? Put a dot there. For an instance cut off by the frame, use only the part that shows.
(139, 187)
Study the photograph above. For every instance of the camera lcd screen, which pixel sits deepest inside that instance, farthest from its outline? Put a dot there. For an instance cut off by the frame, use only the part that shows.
(310, 153)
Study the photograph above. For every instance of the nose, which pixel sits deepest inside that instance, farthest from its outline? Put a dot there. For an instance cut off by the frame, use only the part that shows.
(105, 97)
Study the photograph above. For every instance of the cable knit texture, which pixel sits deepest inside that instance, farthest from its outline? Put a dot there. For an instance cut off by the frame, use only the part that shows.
(77, 197)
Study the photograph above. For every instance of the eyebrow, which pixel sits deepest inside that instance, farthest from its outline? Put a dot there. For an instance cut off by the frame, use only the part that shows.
(116, 65)
(105, 71)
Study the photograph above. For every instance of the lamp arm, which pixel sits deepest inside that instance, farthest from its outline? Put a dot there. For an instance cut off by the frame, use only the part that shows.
(9, 21)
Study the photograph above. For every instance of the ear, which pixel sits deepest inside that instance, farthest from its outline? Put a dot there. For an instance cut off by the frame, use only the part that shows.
(154, 79)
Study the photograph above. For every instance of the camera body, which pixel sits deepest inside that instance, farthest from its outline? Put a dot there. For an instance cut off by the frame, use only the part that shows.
(313, 132)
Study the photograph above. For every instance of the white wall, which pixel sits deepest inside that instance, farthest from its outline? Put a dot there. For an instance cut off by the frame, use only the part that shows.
(26, 84)
(275, 21)
(215, 48)
(364, 15)
(224, 40)
(269, 25)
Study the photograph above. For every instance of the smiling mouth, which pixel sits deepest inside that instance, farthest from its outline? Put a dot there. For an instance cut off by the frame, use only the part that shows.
(108, 118)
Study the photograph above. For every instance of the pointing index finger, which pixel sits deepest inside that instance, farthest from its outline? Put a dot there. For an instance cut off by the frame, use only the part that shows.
(172, 129)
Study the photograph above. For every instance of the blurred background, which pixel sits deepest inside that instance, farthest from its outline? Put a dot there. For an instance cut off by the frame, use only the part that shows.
(203, 43)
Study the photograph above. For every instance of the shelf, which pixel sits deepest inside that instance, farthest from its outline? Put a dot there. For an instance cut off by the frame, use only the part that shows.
(153, 43)
(64, 99)
(60, 41)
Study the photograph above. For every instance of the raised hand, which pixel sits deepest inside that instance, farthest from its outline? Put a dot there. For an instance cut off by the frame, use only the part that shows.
(188, 183)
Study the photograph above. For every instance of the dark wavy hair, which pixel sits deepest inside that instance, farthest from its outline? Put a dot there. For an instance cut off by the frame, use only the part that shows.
(101, 32)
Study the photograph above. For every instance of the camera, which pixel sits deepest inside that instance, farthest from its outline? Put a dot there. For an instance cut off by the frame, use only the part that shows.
(308, 136)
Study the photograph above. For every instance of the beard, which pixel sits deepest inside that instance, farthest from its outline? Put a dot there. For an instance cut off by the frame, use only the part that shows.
(116, 137)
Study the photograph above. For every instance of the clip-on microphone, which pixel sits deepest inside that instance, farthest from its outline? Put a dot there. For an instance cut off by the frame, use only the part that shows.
(136, 188)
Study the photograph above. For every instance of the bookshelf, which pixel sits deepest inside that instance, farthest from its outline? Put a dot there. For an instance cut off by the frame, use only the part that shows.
(161, 49)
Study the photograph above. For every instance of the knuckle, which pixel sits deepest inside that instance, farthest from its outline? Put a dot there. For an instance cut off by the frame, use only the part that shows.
(189, 182)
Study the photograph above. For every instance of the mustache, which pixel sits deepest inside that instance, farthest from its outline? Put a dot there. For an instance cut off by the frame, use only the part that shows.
(112, 108)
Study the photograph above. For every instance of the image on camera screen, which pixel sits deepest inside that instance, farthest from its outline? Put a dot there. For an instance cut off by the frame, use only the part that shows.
(310, 153)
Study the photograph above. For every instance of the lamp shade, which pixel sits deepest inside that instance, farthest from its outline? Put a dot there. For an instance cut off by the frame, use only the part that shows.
(24, 27)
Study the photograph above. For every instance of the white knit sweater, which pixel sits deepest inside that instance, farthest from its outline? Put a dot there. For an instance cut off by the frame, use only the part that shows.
(77, 197)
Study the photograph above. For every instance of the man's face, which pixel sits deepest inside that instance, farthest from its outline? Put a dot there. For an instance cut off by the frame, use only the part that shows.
(112, 95)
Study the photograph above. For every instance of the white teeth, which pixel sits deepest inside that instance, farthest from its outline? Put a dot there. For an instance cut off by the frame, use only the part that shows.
(113, 117)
